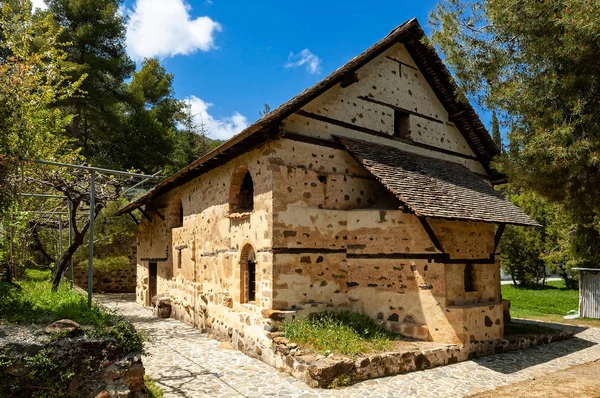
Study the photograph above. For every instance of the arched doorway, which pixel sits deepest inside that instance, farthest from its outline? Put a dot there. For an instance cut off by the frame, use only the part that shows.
(248, 275)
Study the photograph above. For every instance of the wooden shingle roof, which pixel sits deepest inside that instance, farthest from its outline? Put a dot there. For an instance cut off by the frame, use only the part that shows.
(435, 188)
(437, 75)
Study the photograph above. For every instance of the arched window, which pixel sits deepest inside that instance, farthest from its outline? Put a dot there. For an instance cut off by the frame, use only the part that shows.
(241, 194)
(248, 275)
(246, 202)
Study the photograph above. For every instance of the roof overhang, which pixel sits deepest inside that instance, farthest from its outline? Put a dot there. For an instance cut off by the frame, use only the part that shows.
(431, 187)
(412, 36)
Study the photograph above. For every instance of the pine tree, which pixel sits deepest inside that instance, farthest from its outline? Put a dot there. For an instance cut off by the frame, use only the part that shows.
(95, 31)
(496, 131)
(537, 63)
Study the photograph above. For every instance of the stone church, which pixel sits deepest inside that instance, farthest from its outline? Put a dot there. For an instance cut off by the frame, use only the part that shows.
(371, 191)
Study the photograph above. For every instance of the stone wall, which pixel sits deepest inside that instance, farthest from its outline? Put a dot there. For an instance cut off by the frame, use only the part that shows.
(200, 259)
(66, 365)
(121, 280)
(341, 241)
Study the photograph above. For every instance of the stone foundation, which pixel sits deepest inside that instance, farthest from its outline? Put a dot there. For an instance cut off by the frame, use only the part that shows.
(256, 335)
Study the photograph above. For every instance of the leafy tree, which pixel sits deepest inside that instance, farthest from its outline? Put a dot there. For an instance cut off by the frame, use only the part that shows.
(537, 63)
(95, 33)
(34, 77)
(523, 248)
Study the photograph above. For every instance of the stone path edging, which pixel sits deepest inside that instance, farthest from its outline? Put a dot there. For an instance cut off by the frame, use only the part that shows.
(186, 363)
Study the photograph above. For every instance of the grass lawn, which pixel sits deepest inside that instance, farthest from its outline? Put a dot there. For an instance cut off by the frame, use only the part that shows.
(35, 303)
(550, 303)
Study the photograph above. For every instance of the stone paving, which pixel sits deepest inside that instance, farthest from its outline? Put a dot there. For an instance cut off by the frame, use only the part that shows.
(186, 363)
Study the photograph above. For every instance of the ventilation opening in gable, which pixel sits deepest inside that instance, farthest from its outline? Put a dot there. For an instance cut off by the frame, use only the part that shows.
(401, 124)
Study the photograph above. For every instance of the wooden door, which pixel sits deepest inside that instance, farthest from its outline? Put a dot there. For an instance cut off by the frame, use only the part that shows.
(152, 280)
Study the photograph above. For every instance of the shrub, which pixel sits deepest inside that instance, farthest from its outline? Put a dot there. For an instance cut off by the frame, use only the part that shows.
(346, 333)
(152, 389)
(36, 303)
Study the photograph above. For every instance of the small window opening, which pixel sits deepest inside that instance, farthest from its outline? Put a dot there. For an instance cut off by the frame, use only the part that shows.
(180, 215)
(246, 198)
(251, 281)
(469, 278)
(401, 124)
(248, 275)
(179, 259)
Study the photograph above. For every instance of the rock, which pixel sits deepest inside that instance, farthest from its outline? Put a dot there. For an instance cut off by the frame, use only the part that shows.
(293, 351)
(283, 349)
(18, 369)
(103, 394)
(162, 306)
(292, 345)
(273, 335)
(281, 340)
(226, 345)
(325, 370)
(318, 357)
(66, 326)
(123, 391)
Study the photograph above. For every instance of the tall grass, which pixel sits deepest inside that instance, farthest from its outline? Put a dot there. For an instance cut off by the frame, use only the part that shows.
(345, 333)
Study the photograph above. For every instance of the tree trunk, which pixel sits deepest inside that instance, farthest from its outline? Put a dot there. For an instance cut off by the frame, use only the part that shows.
(38, 246)
(65, 260)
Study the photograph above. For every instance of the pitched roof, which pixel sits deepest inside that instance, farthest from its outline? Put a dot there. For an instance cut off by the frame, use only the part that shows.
(412, 36)
(435, 188)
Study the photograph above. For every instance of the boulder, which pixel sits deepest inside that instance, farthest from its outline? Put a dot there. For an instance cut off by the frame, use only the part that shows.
(66, 326)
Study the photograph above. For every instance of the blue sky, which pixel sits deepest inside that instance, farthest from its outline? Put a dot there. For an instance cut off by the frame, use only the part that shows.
(229, 58)
(247, 62)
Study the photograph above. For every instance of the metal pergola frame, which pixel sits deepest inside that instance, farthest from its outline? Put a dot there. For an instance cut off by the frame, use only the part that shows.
(92, 171)
(60, 232)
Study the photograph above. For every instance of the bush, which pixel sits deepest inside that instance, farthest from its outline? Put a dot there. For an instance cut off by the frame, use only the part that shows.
(346, 333)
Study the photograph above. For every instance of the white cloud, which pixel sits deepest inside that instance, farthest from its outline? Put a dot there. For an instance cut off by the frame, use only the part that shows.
(304, 58)
(164, 28)
(38, 4)
(221, 129)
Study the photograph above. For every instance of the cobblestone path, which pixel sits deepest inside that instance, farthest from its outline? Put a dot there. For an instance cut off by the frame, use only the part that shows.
(186, 363)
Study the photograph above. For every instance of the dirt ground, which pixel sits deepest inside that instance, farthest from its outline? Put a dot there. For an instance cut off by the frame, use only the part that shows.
(576, 382)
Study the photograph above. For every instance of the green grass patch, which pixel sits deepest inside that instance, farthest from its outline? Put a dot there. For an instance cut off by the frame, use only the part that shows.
(552, 299)
(35, 303)
(344, 333)
(152, 389)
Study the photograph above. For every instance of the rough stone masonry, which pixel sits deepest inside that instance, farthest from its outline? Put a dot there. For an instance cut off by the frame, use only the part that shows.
(371, 191)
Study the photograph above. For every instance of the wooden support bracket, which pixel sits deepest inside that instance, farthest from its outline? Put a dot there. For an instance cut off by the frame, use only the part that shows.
(135, 220)
(431, 234)
(146, 215)
(159, 215)
(498, 236)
